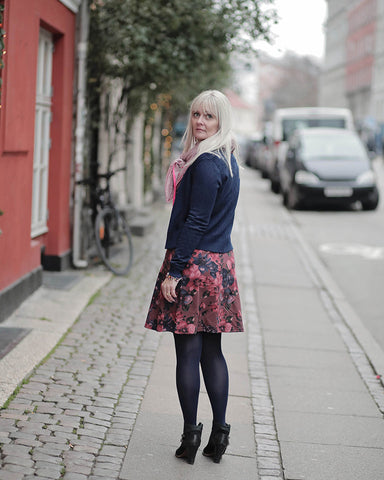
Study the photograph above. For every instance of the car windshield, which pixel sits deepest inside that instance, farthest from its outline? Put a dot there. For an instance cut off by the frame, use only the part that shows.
(292, 124)
(332, 147)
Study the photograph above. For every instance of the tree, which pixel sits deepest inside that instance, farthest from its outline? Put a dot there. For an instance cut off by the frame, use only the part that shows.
(298, 86)
(156, 42)
(172, 47)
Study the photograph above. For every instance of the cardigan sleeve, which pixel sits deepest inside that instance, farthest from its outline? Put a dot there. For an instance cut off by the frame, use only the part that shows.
(205, 183)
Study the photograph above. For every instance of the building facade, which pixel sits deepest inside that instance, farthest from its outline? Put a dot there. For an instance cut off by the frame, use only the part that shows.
(36, 143)
(353, 71)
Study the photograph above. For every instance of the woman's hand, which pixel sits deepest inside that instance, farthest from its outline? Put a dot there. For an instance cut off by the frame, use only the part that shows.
(168, 288)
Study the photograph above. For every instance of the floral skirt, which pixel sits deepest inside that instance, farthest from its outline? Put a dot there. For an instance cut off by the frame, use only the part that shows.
(208, 297)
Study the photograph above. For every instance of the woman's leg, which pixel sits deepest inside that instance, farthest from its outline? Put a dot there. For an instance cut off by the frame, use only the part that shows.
(188, 353)
(215, 373)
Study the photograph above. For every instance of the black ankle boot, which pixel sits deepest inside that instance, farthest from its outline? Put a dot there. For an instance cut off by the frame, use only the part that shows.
(218, 441)
(190, 442)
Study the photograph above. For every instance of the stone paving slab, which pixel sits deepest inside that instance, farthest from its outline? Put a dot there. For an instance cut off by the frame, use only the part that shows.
(285, 268)
(237, 467)
(322, 400)
(313, 461)
(326, 340)
(303, 311)
(347, 430)
(159, 425)
(314, 378)
(308, 357)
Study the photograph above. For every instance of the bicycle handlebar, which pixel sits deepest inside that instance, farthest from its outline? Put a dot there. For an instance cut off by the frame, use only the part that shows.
(106, 175)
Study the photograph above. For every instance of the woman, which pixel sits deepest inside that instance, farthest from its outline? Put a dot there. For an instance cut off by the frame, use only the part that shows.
(196, 295)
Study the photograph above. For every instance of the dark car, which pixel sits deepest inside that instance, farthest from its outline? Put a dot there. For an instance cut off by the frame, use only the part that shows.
(253, 151)
(328, 165)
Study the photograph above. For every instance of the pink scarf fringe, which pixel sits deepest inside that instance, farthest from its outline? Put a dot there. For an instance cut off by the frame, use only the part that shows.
(176, 172)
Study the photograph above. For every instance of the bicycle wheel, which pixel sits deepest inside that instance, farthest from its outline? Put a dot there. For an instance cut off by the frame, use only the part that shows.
(114, 241)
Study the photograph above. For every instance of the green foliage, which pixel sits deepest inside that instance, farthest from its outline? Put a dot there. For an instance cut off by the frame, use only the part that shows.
(166, 44)
(175, 48)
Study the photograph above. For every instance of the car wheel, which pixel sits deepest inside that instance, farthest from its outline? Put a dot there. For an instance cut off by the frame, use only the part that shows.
(275, 187)
(292, 201)
(372, 202)
(285, 198)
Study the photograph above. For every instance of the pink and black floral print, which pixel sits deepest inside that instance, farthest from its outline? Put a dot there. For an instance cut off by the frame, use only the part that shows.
(208, 297)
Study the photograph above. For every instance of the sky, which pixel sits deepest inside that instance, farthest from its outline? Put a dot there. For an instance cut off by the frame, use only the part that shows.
(300, 28)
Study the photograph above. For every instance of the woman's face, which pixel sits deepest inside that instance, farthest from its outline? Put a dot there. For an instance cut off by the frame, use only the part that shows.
(204, 124)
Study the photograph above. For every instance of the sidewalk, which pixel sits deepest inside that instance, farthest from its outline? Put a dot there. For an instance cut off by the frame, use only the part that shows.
(328, 404)
(304, 401)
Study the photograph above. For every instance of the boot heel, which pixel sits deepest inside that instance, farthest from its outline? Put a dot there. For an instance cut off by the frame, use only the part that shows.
(219, 452)
(190, 454)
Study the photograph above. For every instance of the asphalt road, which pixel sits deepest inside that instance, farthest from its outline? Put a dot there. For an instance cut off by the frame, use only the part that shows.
(351, 245)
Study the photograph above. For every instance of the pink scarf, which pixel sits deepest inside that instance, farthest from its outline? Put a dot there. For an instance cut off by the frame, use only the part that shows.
(176, 172)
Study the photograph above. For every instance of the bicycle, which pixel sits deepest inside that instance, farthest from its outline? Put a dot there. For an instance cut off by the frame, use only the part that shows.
(111, 232)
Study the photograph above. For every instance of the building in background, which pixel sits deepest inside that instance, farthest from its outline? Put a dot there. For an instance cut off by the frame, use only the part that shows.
(244, 117)
(266, 83)
(353, 71)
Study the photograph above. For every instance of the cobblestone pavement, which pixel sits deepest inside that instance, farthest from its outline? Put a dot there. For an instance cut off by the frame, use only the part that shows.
(73, 418)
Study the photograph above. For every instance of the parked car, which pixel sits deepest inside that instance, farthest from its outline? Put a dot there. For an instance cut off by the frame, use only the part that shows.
(328, 165)
(253, 150)
(287, 120)
(264, 158)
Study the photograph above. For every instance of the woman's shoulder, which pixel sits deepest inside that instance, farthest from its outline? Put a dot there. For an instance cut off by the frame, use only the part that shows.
(207, 156)
(206, 160)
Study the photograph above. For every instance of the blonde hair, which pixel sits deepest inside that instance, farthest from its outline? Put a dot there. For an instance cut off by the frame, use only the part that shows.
(222, 142)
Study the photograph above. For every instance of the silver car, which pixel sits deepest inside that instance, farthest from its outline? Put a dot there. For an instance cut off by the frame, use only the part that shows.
(328, 165)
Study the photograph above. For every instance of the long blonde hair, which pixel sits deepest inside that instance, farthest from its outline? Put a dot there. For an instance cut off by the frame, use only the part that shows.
(222, 142)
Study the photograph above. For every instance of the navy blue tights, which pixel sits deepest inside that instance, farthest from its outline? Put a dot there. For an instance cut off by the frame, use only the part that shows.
(203, 349)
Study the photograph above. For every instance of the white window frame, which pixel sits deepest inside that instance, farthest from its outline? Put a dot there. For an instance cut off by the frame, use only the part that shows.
(43, 115)
(73, 5)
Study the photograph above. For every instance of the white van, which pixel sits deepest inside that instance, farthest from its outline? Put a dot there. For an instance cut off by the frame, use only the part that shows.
(287, 120)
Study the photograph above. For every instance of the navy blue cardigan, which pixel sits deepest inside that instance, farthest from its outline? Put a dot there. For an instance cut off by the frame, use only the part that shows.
(204, 209)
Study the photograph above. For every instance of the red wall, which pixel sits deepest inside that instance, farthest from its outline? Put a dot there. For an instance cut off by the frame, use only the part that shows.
(19, 254)
(360, 45)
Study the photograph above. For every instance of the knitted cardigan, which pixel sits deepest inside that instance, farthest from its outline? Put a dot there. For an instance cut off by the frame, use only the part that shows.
(204, 209)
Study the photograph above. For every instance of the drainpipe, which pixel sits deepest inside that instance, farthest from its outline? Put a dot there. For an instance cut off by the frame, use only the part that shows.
(79, 135)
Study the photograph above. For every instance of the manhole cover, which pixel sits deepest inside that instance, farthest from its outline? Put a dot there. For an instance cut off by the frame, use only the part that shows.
(10, 337)
(60, 280)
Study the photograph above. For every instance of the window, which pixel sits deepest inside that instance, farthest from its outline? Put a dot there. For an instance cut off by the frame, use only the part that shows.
(42, 134)
(333, 147)
(290, 125)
